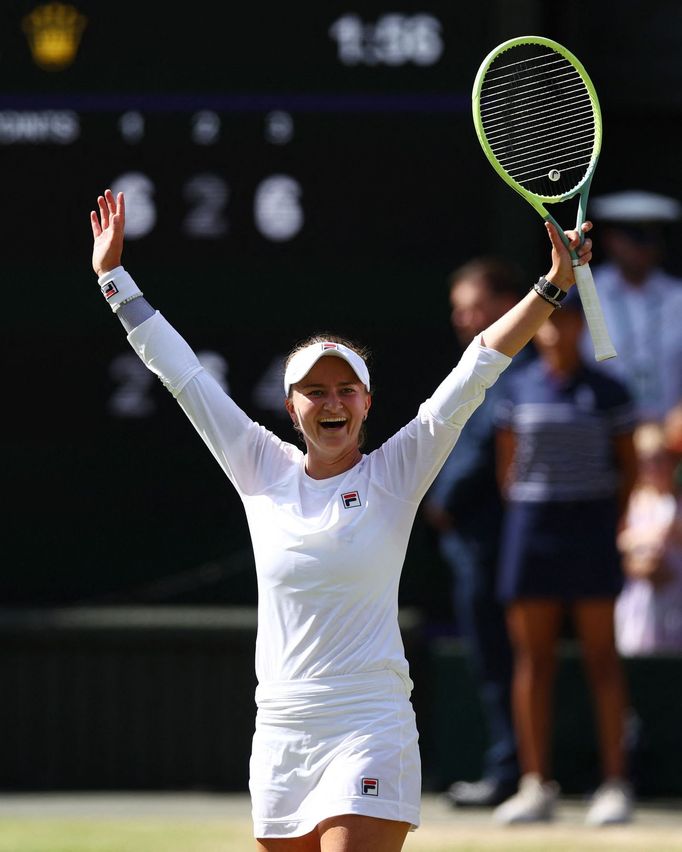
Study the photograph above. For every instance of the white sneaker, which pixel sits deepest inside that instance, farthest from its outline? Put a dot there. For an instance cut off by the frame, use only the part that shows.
(612, 804)
(534, 802)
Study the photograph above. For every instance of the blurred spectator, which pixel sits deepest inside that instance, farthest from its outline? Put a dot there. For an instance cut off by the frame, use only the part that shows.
(567, 465)
(480, 292)
(642, 303)
(649, 609)
(672, 427)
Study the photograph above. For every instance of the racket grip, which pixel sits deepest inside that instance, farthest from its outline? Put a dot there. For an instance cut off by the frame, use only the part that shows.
(601, 340)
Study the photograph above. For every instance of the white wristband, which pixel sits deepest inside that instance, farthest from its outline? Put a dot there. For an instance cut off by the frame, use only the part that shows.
(118, 288)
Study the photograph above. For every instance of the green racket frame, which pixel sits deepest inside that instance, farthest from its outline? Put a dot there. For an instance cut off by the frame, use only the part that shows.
(603, 346)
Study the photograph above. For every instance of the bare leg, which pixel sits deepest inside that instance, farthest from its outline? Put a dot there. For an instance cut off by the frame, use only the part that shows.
(533, 629)
(358, 833)
(344, 833)
(595, 627)
(308, 843)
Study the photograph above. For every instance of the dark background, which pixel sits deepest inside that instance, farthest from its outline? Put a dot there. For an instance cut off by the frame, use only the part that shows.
(110, 497)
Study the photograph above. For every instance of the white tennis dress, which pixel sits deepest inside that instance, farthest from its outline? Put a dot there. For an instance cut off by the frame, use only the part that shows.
(335, 730)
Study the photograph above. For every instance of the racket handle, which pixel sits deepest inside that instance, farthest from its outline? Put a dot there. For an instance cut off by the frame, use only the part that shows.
(601, 340)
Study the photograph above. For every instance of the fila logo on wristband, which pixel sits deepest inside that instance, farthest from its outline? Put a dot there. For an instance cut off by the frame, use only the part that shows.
(370, 786)
(350, 499)
(109, 289)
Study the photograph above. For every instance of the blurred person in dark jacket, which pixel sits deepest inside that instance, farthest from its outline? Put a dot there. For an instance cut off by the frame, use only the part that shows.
(464, 507)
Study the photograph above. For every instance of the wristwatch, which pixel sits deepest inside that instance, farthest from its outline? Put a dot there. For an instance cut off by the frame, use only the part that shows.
(549, 292)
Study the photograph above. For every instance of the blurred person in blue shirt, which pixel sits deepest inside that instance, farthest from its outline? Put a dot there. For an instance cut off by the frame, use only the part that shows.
(642, 301)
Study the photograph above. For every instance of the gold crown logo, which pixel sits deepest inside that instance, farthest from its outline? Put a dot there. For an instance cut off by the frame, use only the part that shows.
(54, 33)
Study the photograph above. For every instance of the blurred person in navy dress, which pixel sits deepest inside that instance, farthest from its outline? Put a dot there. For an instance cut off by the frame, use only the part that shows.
(566, 464)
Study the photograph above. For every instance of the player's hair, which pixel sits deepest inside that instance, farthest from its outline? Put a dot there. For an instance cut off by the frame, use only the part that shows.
(328, 336)
(501, 277)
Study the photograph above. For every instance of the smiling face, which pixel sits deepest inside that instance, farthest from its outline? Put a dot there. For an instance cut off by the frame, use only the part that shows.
(329, 406)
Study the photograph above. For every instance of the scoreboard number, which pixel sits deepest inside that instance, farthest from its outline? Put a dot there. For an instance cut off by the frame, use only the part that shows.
(277, 207)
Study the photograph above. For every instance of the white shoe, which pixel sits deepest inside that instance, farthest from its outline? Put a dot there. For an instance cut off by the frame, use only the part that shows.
(534, 802)
(612, 804)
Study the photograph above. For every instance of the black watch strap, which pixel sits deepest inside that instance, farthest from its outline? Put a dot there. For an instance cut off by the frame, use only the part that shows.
(549, 292)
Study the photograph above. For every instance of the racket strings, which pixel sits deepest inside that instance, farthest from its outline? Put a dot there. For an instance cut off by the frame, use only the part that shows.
(556, 141)
(538, 118)
(552, 55)
(570, 94)
(581, 117)
(532, 79)
(552, 135)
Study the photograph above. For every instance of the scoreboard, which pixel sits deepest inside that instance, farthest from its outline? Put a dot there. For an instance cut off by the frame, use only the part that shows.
(277, 132)
(285, 170)
(288, 168)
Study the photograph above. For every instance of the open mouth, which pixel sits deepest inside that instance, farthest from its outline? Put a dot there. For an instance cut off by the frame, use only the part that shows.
(333, 423)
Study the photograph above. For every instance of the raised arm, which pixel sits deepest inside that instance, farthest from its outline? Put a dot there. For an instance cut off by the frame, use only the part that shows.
(248, 453)
(513, 330)
(118, 288)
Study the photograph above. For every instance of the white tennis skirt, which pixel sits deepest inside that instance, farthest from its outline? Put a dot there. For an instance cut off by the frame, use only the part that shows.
(331, 746)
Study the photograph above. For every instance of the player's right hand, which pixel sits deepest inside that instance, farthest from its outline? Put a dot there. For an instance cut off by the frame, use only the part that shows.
(107, 231)
(562, 273)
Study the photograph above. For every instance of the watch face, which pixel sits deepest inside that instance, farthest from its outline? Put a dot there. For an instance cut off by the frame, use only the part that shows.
(551, 290)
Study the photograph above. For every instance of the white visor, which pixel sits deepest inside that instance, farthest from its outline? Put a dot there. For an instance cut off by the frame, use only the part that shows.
(304, 360)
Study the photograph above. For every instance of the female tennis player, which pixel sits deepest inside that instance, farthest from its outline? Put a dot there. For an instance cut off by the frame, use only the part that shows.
(335, 762)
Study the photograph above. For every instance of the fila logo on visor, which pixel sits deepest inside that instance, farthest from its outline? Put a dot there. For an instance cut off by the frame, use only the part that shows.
(370, 786)
(351, 499)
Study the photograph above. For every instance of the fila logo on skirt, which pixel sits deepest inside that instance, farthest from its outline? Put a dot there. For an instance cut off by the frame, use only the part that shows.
(370, 786)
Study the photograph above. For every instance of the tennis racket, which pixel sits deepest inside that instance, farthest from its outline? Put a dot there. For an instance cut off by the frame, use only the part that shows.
(538, 120)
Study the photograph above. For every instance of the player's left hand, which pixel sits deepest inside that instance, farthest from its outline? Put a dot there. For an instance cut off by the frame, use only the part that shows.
(562, 273)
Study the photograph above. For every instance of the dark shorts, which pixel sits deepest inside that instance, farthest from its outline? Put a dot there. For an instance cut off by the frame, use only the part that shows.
(565, 551)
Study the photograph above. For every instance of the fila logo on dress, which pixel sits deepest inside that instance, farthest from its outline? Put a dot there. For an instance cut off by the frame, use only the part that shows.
(351, 499)
(370, 786)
